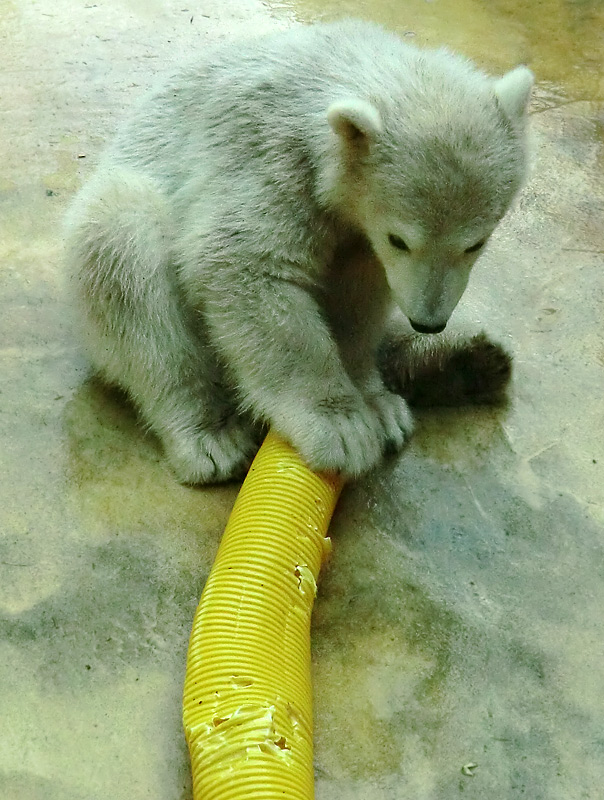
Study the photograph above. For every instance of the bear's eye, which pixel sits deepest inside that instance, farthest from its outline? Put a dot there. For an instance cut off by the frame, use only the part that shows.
(475, 247)
(397, 242)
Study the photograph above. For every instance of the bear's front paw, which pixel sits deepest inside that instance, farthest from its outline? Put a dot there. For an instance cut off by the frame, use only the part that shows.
(395, 418)
(446, 371)
(335, 434)
(473, 371)
(486, 369)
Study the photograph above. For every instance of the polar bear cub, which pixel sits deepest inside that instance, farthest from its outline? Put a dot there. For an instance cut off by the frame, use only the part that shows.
(239, 252)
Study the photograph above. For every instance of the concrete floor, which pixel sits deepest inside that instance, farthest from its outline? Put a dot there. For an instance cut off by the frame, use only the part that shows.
(461, 620)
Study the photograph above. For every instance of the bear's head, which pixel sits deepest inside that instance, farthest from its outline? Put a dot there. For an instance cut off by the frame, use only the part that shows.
(429, 173)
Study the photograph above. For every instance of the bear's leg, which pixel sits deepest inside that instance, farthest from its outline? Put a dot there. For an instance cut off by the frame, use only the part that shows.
(139, 333)
(273, 334)
(358, 303)
(445, 370)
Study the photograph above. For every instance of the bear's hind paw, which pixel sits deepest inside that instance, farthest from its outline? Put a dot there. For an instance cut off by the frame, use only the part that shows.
(205, 457)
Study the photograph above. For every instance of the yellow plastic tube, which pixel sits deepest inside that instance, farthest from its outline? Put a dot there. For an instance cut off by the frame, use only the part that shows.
(247, 706)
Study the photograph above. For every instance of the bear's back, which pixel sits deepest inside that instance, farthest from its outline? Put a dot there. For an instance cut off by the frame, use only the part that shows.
(259, 98)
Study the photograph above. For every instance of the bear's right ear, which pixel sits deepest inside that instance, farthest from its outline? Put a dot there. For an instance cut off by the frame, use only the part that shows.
(355, 121)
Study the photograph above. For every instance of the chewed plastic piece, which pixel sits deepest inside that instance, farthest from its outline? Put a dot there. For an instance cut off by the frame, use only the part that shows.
(247, 706)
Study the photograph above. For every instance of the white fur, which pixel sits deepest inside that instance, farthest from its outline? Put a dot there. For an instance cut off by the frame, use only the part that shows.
(231, 257)
(514, 91)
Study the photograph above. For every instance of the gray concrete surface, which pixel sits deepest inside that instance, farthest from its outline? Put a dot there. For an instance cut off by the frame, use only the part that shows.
(461, 619)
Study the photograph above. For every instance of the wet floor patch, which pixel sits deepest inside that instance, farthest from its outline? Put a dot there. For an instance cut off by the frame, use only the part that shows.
(455, 627)
(122, 604)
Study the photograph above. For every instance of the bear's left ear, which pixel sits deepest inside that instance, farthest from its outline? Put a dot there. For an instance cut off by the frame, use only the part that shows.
(513, 92)
(355, 121)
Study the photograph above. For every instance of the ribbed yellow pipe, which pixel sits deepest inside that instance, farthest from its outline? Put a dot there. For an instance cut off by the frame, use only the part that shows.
(247, 704)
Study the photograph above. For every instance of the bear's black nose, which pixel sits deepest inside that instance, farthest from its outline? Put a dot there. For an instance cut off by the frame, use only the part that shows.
(427, 328)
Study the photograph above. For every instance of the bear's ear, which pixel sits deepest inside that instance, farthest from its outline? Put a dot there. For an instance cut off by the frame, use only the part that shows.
(513, 92)
(355, 120)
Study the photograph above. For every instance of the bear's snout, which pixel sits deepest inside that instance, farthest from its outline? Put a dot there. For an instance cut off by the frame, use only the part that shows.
(427, 328)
